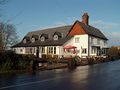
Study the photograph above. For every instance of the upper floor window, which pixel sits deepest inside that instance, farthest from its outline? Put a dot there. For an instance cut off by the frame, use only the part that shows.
(105, 43)
(77, 40)
(98, 41)
(24, 40)
(42, 38)
(55, 37)
(92, 40)
(33, 39)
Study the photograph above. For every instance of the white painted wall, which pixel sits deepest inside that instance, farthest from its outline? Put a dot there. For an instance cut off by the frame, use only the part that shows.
(19, 50)
(83, 43)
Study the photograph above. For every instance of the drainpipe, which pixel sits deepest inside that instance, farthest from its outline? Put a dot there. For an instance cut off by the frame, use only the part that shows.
(88, 46)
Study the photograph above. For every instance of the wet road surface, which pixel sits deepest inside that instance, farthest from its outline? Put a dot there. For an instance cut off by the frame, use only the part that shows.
(104, 76)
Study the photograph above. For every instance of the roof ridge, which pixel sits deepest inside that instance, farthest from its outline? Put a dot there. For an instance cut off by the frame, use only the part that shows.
(50, 28)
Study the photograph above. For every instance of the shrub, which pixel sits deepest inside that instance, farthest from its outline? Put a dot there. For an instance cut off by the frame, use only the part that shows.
(114, 53)
(12, 61)
(72, 63)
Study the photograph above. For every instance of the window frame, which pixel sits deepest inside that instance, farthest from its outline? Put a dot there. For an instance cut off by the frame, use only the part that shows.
(84, 51)
(42, 38)
(77, 39)
(55, 37)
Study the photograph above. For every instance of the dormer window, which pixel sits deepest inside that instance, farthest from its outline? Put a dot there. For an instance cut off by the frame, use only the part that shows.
(24, 40)
(42, 38)
(33, 40)
(55, 37)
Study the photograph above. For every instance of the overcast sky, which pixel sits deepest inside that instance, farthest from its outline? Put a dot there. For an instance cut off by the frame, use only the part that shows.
(30, 15)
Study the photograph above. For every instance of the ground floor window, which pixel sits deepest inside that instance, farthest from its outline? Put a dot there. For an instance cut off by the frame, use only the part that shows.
(104, 51)
(29, 50)
(51, 50)
(43, 49)
(93, 50)
(54, 50)
(21, 50)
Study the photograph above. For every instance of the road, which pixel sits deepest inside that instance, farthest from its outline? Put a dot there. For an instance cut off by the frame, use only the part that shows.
(104, 76)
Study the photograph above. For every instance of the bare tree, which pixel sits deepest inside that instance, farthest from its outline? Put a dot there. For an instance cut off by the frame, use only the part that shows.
(8, 35)
(1, 36)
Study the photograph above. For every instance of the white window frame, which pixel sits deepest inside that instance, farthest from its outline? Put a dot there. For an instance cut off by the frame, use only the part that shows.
(98, 41)
(42, 38)
(84, 50)
(24, 41)
(55, 37)
(77, 39)
(33, 40)
(43, 50)
(51, 50)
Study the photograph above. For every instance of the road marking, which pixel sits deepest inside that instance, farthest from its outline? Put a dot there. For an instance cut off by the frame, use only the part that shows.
(30, 83)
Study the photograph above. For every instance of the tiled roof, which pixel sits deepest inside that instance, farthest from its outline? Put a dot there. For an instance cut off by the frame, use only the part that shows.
(50, 31)
(92, 31)
(64, 30)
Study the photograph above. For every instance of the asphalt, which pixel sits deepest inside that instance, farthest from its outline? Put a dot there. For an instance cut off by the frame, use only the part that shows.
(104, 76)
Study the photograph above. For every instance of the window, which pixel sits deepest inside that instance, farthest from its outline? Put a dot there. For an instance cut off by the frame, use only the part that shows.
(33, 40)
(43, 49)
(55, 37)
(92, 40)
(24, 40)
(31, 50)
(51, 50)
(34, 50)
(77, 40)
(98, 41)
(84, 50)
(93, 50)
(21, 50)
(48, 50)
(103, 51)
(54, 50)
(42, 38)
(105, 43)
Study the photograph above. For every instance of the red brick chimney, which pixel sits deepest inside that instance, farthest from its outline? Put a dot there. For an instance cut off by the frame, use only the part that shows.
(85, 18)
